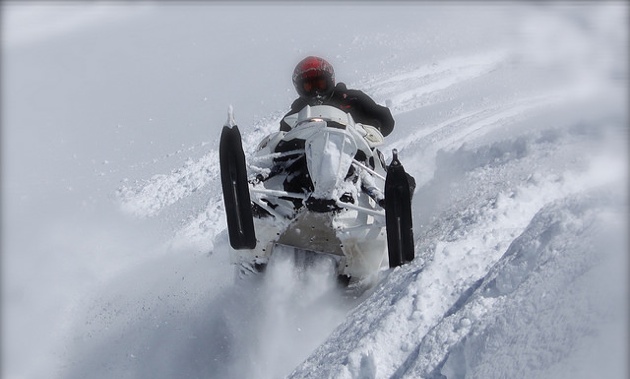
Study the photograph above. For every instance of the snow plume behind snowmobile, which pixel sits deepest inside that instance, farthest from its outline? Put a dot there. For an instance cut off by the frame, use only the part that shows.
(321, 187)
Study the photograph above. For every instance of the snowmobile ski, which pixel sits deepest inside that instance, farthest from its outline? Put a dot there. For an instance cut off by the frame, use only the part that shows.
(400, 244)
(235, 187)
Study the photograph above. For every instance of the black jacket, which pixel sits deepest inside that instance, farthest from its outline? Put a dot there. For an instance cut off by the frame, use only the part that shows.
(362, 108)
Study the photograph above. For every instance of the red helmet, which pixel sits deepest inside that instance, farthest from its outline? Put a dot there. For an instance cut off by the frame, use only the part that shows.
(314, 77)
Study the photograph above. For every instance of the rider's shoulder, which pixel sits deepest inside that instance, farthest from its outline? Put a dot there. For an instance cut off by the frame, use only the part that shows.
(349, 92)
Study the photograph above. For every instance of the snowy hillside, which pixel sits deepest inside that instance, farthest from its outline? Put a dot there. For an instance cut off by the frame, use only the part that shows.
(512, 117)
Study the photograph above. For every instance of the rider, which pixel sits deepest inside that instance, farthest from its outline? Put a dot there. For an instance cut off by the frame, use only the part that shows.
(314, 80)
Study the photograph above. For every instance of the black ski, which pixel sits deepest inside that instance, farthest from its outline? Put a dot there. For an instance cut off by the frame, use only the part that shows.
(398, 218)
(235, 188)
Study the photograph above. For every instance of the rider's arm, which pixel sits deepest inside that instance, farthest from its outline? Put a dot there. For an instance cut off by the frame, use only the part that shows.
(369, 112)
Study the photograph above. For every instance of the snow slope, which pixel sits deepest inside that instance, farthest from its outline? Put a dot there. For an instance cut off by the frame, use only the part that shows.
(512, 118)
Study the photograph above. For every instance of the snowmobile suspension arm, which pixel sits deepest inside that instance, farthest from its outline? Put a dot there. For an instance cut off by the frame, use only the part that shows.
(277, 155)
(357, 208)
(366, 168)
(267, 208)
(277, 193)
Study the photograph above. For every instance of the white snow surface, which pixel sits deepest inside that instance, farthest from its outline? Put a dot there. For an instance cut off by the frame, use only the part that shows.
(512, 117)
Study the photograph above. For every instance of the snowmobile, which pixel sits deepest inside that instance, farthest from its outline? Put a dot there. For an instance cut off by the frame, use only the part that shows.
(324, 188)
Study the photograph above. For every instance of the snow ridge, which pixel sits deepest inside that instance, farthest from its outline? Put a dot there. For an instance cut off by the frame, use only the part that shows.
(149, 197)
